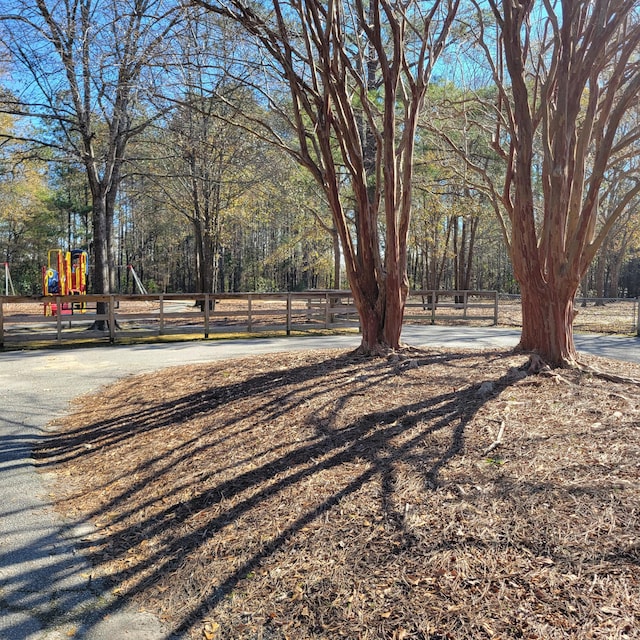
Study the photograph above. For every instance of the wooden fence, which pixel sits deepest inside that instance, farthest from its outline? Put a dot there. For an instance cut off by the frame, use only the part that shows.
(113, 317)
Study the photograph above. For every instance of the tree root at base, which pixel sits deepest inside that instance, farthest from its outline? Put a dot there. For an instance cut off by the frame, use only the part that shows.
(609, 377)
(536, 365)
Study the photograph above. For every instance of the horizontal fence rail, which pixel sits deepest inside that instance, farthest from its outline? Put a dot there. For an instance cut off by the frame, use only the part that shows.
(111, 317)
(593, 315)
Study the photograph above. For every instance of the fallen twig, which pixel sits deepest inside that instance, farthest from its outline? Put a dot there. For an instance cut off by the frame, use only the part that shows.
(497, 442)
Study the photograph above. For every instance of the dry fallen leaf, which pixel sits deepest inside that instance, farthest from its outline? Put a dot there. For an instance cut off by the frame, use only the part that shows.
(210, 630)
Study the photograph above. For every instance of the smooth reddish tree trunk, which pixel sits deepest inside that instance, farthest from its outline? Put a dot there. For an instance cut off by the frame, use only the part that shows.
(371, 327)
(547, 324)
(396, 297)
(381, 324)
(379, 335)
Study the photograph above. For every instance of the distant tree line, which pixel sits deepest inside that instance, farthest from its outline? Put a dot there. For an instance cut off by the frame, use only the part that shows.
(276, 237)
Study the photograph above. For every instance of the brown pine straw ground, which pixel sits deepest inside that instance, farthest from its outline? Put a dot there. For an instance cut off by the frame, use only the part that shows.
(320, 495)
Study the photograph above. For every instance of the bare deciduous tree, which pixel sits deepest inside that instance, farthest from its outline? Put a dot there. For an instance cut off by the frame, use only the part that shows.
(208, 164)
(82, 68)
(567, 75)
(354, 75)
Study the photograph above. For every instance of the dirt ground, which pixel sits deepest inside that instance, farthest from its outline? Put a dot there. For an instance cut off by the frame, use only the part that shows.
(318, 495)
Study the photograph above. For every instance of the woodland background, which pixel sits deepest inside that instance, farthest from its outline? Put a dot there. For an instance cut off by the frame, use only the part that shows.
(202, 205)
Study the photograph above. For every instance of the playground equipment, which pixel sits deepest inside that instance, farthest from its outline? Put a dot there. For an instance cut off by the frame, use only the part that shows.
(65, 275)
(7, 281)
(136, 279)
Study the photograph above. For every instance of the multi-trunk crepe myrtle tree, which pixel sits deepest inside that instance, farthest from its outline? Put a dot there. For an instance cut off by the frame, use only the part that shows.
(566, 125)
(347, 79)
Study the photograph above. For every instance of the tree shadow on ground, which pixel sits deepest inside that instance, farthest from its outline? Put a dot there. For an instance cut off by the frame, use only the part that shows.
(423, 435)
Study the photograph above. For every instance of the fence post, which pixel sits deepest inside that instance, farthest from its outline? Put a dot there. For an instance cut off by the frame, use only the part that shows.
(289, 313)
(327, 309)
(58, 319)
(249, 318)
(1, 323)
(206, 315)
(433, 306)
(112, 318)
(495, 308)
(161, 328)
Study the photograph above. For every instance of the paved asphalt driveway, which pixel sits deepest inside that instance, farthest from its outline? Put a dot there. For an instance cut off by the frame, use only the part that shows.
(45, 590)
